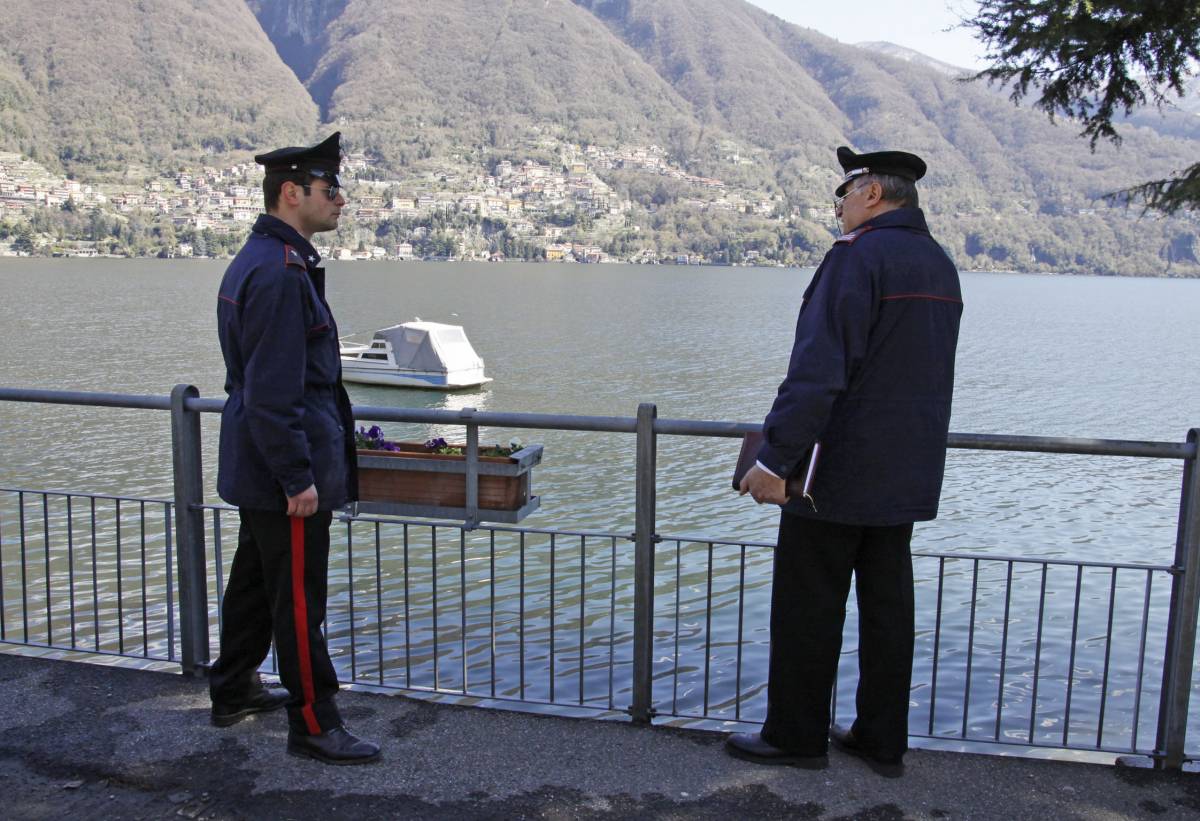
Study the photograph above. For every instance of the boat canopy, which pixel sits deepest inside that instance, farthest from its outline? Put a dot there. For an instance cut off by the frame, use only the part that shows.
(430, 346)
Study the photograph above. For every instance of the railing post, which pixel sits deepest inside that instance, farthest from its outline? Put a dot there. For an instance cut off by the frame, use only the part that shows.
(1181, 629)
(472, 474)
(189, 531)
(645, 538)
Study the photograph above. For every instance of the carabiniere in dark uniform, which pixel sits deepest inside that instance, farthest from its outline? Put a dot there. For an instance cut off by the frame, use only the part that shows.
(286, 429)
(870, 378)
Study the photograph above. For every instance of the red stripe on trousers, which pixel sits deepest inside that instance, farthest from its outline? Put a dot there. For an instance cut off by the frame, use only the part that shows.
(300, 616)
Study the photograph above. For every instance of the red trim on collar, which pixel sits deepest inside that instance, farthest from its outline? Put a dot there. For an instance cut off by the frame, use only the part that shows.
(849, 239)
(292, 257)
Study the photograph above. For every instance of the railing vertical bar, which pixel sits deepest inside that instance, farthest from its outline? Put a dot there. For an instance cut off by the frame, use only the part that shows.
(970, 646)
(521, 618)
(437, 653)
(582, 611)
(1071, 661)
(350, 599)
(3, 584)
(187, 462)
(1003, 651)
(462, 601)
(120, 586)
(1037, 655)
(1141, 669)
(218, 566)
(49, 576)
(472, 470)
(645, 537)
(1180, 650)
(95, 579)
(552, 608)
(201, 651)
(737, 681)
(70, 570)
(1112, 602)
(708, 601)
(937, 642)
(142, 558)
(379, 602)
(24, 569)
(492, 610)
(407, 619)
(612, 621)
(675, 655)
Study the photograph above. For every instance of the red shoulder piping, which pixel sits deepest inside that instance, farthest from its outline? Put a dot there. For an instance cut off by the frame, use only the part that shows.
(934, 297)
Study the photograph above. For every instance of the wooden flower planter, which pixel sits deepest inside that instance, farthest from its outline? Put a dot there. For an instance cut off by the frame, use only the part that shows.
(414, 482)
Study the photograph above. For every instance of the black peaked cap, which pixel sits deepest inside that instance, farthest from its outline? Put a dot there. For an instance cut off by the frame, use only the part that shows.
(325, 157)
(896, 163)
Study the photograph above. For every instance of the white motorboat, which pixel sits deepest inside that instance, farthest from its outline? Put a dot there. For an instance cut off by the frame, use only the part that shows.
(415, 355)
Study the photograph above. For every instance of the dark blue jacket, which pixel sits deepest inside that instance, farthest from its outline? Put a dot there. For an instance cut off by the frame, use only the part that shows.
(871, 376)
(288, 422)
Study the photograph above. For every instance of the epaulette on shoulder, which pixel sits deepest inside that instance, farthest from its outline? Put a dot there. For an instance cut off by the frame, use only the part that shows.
(293, 258)
(849, 239)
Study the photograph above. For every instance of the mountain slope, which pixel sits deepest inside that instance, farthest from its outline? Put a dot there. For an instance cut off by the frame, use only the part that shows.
(799, 93)
(299, 29)
(404, 75)
(105, 84)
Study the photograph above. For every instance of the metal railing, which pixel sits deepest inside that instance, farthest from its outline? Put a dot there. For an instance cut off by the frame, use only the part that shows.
(1010, 650)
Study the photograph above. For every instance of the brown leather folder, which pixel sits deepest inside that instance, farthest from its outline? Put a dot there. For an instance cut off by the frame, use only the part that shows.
(798, 485)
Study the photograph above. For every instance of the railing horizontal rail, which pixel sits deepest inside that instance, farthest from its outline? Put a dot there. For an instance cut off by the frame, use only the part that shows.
(394, 520)
(84, 495)
(621, 424)
(1073, 445)
(89, 651)
(938, 554)
(103, 400)
(995, 557)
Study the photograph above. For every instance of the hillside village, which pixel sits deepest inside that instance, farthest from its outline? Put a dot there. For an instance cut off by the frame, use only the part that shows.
(562, 211)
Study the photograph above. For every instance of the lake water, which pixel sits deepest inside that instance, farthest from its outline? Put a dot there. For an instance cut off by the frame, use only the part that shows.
(1038, 355)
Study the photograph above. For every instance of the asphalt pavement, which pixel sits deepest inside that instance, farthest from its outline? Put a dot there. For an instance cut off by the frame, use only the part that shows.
(91, 741)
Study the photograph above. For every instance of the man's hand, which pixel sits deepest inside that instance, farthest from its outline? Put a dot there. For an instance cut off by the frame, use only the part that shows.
(763, 486)
(304, 503)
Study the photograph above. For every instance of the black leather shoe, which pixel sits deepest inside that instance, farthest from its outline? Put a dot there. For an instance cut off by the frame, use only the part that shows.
(887, 766)
(336, 746)
(751, 747)
(259, 700)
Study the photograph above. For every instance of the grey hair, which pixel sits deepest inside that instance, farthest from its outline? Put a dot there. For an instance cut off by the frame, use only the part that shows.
(898, 190)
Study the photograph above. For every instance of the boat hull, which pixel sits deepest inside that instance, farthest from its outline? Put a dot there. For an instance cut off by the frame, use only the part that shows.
(352, 371)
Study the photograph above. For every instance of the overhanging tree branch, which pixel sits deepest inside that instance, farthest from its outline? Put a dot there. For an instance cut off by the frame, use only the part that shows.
(1093, 60)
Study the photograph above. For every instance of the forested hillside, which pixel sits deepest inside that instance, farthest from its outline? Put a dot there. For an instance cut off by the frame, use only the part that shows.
(116, 86)
(436, 94)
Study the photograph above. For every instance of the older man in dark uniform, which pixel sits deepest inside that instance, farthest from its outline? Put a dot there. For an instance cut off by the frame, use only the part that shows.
(870, 378)
(286, 458)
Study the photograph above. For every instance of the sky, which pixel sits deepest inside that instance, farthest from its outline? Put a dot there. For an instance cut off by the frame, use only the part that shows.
(916, 24)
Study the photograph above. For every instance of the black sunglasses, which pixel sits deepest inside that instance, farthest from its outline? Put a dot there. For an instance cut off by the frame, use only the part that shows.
(331, 193)
(335, 184)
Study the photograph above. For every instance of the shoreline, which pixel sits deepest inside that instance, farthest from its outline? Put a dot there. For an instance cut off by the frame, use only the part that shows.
(6, 259)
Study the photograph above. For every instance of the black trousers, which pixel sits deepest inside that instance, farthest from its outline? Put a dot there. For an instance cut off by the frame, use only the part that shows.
(276, 590)
(814, 561)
